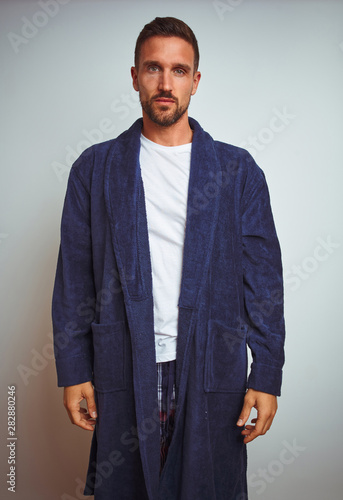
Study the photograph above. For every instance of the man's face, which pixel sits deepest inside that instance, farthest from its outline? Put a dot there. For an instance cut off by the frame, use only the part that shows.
(165, 79)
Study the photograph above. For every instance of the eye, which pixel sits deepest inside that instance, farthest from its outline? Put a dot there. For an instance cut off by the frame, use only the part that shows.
(153, 69)
(180, 72)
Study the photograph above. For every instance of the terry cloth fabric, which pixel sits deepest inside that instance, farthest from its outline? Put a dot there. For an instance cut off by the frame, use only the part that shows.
(166, 404)
(231, 262)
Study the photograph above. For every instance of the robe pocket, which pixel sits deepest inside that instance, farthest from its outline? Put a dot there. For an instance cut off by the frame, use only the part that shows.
(225, 367)
(109, 356)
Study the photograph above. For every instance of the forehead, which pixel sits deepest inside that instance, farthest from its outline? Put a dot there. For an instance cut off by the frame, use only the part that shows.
(167, 50)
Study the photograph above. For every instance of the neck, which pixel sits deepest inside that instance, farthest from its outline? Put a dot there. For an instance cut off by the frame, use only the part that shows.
(175, 135)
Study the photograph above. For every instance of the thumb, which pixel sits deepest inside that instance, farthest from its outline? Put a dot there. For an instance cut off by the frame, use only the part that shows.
(89, 396)
(245, 413)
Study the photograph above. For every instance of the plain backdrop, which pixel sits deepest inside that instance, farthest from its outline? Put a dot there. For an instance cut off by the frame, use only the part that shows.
(272, 80)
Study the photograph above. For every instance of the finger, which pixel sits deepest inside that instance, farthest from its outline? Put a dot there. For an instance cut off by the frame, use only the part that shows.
(267, 425)
(250, 427)
(259, 429)
(271, 418)
(246, 432)
(73, 411)
(89, 395)
(245, 413)
(265, 420)
(82, 420)
(89, 420)
(78, 416)
(263, 425)
(86, 416)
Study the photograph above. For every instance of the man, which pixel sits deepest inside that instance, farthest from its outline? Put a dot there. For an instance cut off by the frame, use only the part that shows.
(169, 266)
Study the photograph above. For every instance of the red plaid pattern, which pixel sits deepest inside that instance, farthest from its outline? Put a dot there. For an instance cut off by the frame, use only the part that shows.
(166, 404)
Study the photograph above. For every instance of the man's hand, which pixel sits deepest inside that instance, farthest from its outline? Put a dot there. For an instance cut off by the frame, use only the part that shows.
(266, 406)
(73, 395)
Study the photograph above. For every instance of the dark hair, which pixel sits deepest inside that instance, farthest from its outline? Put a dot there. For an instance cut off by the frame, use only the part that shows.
(168, 27)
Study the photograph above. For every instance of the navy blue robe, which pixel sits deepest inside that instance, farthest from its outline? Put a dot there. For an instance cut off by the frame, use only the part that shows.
(231, 297)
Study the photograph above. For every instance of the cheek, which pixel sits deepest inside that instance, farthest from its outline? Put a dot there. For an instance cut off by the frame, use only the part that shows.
(148, 86)
(187, 92)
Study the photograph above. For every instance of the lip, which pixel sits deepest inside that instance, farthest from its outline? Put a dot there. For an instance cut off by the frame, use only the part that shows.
(164, 100)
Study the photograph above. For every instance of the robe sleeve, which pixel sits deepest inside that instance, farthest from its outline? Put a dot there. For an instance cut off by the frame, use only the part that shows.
(74, 292)
(263, 285)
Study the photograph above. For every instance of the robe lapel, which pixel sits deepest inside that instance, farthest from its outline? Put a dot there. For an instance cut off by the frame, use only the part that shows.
(202, 215)
(125, 202)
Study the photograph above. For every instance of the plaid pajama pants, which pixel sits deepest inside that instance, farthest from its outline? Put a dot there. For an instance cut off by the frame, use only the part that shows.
(166, 405)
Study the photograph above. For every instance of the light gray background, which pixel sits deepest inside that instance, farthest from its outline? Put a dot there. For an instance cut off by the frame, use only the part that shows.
(258, 59)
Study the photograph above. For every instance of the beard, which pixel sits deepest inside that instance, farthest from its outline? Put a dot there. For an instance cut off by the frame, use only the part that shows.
(163, 116)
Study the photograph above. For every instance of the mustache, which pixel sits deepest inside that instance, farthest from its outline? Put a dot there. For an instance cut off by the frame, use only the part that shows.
(165, 95)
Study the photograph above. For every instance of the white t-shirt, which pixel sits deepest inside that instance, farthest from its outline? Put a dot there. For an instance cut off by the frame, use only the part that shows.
(165, 173)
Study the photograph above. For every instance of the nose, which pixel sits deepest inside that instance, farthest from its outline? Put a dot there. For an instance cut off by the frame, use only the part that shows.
(165, 81)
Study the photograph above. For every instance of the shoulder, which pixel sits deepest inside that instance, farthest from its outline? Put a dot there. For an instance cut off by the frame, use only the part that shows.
(241, 165)
(89, 162)
(92, 160)
(233, 158)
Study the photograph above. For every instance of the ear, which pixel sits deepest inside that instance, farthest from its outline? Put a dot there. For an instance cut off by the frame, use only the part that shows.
(134, 78)
(196, 80)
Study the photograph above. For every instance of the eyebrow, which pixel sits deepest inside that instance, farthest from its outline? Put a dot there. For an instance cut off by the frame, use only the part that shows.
(176, 65)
